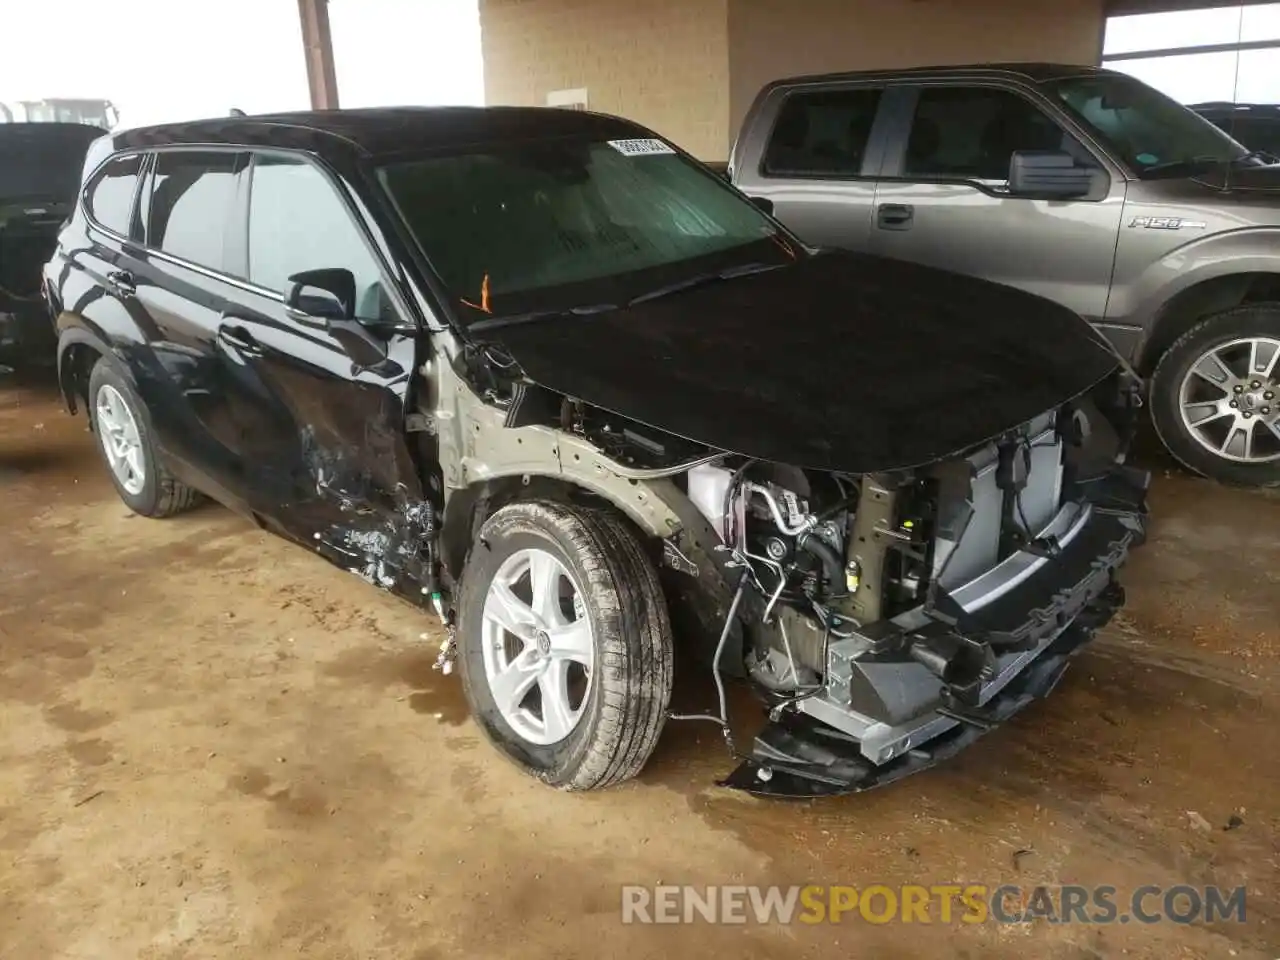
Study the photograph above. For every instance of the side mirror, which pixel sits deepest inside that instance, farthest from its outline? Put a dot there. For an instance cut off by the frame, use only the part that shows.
(1049, 174)
(325, 300)
(764, 204)
(322, 295)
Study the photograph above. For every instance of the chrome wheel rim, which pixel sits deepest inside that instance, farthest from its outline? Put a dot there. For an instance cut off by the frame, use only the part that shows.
(118, 434)
(539, 648)
(1230, 400)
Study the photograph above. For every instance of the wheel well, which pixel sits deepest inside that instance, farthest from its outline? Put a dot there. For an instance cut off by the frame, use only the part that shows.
(73, 373)
(468, 509)
(1188, 307)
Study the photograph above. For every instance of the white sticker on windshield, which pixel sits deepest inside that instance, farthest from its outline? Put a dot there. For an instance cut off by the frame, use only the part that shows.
(640, 148)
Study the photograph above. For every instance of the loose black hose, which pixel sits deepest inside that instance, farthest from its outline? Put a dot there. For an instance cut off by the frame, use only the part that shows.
(813, 544)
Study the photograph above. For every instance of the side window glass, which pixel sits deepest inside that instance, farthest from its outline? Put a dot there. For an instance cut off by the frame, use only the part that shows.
(298, 222)
(110, 198)
(972, 132)
(191, 194)
(822, 134)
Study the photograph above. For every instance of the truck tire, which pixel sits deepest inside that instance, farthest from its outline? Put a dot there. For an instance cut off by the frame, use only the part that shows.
(123, 430)
(564, 643)
(1215, 396)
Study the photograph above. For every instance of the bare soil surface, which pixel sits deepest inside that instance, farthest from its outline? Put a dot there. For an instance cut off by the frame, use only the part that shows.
(214, 744)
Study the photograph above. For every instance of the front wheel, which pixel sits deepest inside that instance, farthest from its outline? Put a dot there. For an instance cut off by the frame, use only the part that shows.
(1215, 396)
(565, 643)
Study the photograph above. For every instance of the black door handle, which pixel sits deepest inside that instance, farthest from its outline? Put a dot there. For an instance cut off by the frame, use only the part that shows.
(123, 282)
(240, 340)
(895, 216)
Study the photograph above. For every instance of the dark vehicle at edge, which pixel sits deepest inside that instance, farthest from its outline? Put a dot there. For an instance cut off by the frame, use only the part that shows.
(543, 374)
(40, 168)
(1256, 125)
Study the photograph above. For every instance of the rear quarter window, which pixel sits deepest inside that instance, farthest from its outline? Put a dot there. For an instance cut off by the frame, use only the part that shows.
(109, 198)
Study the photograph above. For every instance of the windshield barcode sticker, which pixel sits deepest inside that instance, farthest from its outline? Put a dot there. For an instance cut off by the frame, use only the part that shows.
(640, 148)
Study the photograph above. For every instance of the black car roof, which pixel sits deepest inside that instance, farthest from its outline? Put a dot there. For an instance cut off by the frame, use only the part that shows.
(1028, 72)
(383, 131)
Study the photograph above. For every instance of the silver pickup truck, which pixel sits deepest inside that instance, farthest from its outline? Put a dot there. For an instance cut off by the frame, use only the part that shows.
(1079, 184)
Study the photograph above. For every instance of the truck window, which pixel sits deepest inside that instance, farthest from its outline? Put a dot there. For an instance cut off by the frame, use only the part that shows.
(1155, 134)
(971, 133)
(822, 134)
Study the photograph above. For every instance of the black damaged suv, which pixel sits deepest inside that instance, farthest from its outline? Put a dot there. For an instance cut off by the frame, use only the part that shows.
(546, 375)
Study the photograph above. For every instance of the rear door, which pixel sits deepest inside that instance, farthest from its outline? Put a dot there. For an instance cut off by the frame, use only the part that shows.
(820, 149)
(943, 196)
(325, 435)
(180, 287)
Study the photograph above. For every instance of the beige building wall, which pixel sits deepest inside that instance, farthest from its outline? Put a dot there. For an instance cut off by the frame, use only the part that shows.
(770, 39)
(663, 63)
(690, 68)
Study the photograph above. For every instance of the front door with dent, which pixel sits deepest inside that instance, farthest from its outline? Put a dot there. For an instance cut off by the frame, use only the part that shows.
(327, 434)
(943, 198)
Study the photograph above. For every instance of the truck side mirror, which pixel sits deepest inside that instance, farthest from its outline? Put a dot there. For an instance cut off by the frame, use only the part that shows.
(1048, 174)
(763, 203)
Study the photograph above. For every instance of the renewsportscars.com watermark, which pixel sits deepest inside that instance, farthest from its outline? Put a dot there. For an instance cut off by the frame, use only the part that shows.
(936, 903)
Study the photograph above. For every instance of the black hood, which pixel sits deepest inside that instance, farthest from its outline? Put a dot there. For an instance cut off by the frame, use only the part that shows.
(838, 362)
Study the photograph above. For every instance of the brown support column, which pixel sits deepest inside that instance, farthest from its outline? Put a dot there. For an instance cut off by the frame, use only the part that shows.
(318, 46)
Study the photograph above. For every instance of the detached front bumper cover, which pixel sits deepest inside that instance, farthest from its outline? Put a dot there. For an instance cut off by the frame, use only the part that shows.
(1068, 600)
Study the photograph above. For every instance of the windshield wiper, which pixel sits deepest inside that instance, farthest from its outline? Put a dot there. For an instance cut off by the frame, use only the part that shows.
(585, 310)
(701, 279)
(497, 323)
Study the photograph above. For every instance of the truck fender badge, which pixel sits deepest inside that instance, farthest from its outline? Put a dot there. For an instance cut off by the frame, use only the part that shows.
(1166, 223)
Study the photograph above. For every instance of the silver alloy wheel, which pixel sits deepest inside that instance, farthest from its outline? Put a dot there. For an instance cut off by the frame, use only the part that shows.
(538, 646)
(1230, 400)
(118, 434)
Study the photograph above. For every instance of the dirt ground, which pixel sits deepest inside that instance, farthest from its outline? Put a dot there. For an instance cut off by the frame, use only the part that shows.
(213, 744)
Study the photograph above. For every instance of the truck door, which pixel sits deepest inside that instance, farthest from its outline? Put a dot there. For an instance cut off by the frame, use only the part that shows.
(820, 149)
(943, 197)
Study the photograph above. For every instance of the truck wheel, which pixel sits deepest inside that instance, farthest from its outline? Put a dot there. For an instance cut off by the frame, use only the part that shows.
(1215, 396)
(123, 430)
(565, 644)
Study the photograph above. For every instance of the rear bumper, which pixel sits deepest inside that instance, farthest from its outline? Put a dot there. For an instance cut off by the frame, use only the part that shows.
(1035, 628)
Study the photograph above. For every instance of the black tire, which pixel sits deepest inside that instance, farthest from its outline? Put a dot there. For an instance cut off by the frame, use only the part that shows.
(161, 495)
(629, 690)
(1250, 320)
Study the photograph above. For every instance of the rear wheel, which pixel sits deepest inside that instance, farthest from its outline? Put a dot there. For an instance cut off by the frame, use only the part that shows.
(124, 439)
(1215, 396)
(565, 644)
